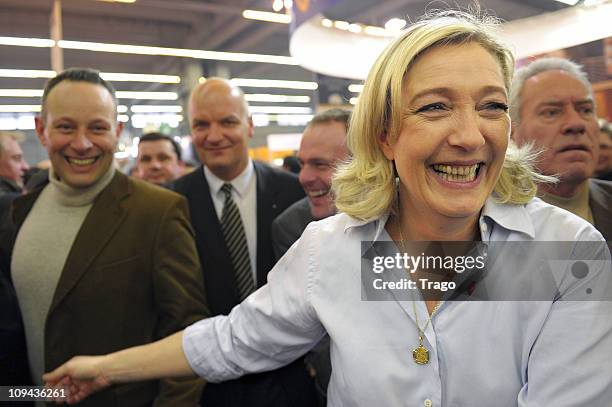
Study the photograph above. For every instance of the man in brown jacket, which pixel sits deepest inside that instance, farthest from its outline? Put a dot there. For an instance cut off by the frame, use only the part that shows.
(99, 261)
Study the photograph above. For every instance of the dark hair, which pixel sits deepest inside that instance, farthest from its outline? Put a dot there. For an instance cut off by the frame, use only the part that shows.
(76, 75)
(332, 115)
(155, 136)
(292, 164)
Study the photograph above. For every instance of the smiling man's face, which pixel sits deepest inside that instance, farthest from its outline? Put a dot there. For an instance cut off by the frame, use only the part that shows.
(79, 131)
(558, 115)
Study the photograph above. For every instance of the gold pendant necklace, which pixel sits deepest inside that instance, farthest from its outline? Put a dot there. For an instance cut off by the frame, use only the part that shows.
(420, 354)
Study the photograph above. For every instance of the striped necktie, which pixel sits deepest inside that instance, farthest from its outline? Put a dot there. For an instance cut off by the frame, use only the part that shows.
(235, 240)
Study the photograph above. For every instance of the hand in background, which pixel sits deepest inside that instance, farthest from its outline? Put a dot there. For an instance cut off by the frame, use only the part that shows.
(81, 375)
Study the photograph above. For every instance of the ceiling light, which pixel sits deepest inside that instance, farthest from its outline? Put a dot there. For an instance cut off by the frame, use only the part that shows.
(27, 93)
(355, 88)
(377, 31)
(262, 97)
(568, 2)
(122, 109)
(271, 83)
(277, 5)
(292, 119)
(342, 25)
(156, 109)
(123, 118)
(137, 77)
(21, 93)
(355, 28)
(177, 52)
(109, 76)
(27, 42)
(118, 1)
(147, 95)
(353, 100)
(280, 109)
(395, 24)
(26, 73)
(288, 3)
(326, 22)
(19, 108)
(267, 16)
(148, 50)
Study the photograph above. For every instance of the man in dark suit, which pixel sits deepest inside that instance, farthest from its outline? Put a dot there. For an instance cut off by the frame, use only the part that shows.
(96, 253)
(552, 106)
(233, 201)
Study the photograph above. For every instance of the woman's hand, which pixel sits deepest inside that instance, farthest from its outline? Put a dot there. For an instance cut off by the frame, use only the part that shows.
(80, 376)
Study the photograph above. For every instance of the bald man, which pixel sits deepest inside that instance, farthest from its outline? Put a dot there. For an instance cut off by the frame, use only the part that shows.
(233, 201)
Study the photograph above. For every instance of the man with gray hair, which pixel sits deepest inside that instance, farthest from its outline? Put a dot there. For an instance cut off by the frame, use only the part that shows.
(552, 107)
(12, 164)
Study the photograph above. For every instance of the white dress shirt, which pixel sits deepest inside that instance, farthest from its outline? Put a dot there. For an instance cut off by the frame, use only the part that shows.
(244, 193)
(483, 353)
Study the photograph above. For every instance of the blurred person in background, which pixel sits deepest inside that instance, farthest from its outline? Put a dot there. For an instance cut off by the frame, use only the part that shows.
(553, 109)
(159, 159)
(604, 165)
(322, 148)
(291, 164)
(13, 166)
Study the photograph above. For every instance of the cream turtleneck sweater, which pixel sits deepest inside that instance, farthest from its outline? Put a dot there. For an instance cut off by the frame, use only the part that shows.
(41, 249)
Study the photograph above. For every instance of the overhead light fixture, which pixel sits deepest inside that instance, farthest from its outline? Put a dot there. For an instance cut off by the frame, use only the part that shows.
(35, 93)
(118, 1)
(395, 24)
(272, 83)
(568, 2)
(147, 95)
(263, 97)
(26, 73)
(355, 28)
(148, 50)
(123, 118)
(156, 109)
(177, 52)
(280, 109)
(342, 25)
(19, 108)
(353, 100)
(326, 22)
(138, 77)
(267, 16)
(377, 31)
(27, 42)
(277, 5)
(288, 4)
(21, 93)
(109, 76)
(355, 88)
(122, 109)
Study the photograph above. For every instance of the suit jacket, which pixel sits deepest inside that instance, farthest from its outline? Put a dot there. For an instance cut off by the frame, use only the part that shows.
(600, 201)
(131, 277)
(289, 386)
(289, 226)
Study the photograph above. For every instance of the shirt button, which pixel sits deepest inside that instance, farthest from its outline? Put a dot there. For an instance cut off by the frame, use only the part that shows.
(427, 403)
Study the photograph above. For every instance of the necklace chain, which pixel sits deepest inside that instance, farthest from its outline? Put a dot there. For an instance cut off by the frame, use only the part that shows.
(419, 354)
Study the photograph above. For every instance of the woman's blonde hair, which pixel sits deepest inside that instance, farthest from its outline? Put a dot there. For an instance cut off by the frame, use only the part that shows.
(364, 187)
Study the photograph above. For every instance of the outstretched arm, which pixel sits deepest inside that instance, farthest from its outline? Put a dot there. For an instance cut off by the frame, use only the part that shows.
(85, 375)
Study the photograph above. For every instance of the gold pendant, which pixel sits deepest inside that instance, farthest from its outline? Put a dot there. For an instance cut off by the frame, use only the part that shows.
(420, 355)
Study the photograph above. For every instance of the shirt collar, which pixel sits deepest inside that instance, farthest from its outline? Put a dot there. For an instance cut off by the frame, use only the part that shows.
(240, 183)
(511, 217)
